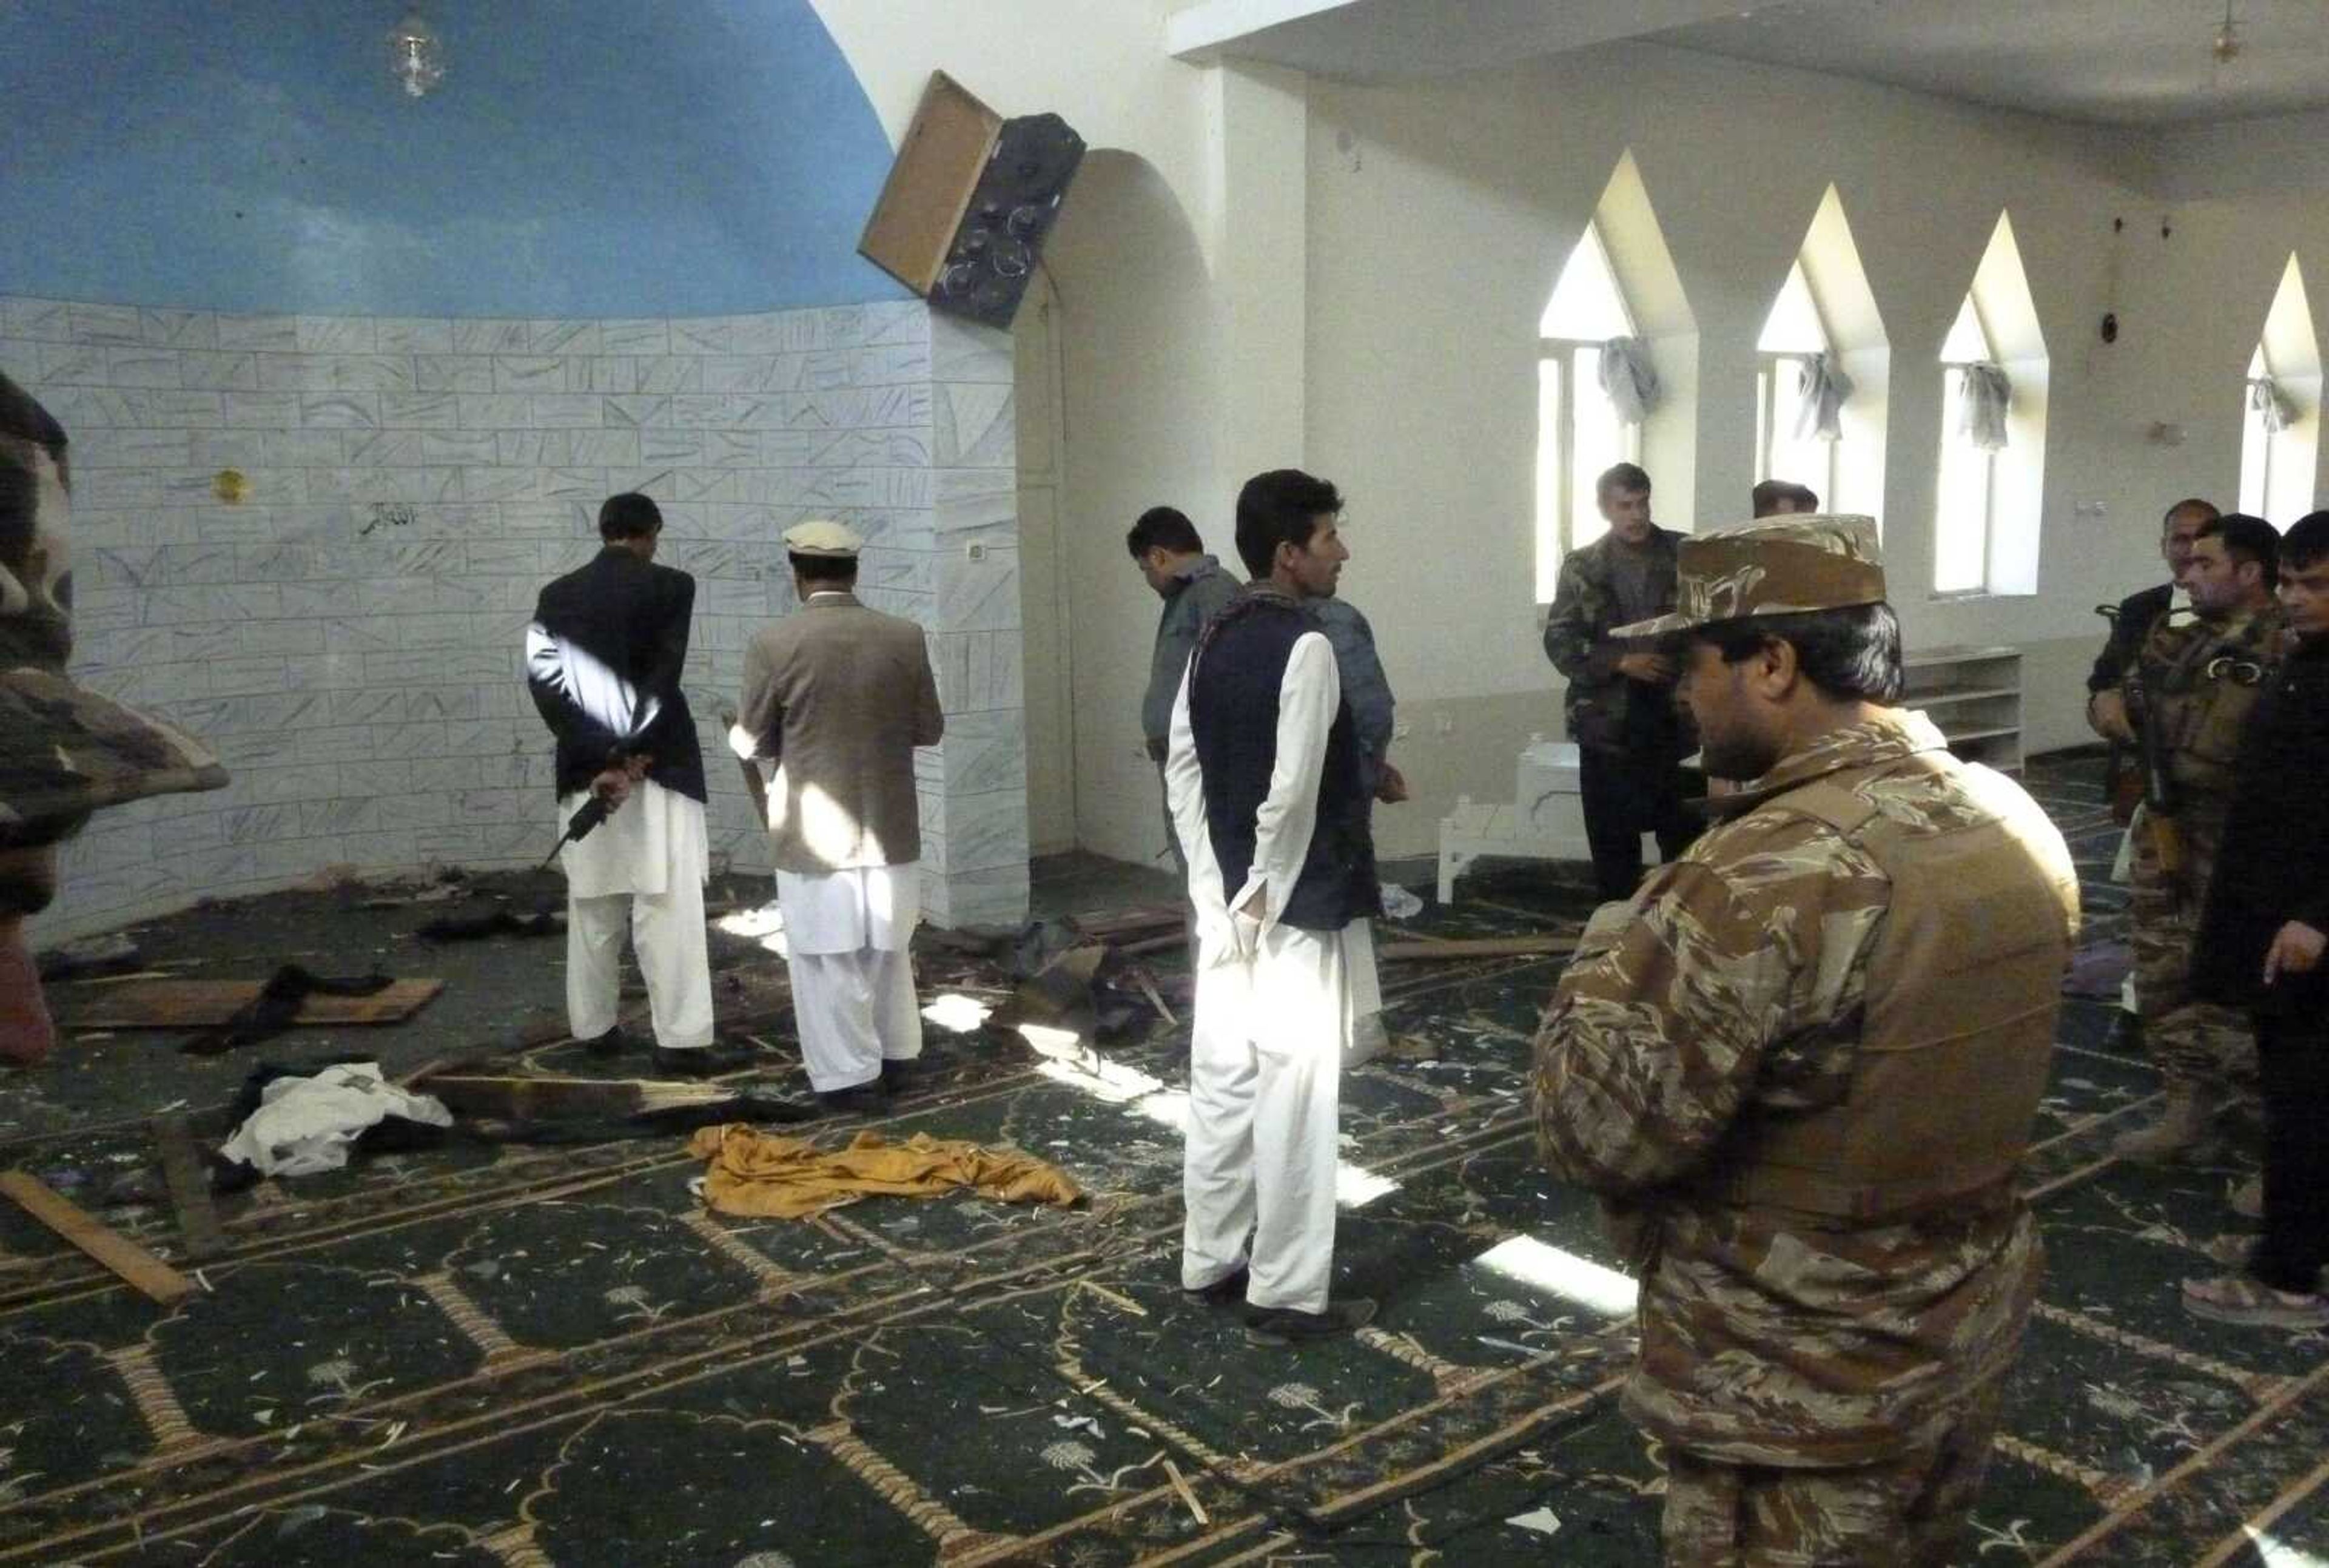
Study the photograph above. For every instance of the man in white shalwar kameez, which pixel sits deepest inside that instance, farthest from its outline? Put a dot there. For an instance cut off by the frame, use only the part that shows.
(838, 695)
(603, 661)
(1264, 776)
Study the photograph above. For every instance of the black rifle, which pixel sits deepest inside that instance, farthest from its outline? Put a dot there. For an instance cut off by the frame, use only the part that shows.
(587, 815)
(2159, 803)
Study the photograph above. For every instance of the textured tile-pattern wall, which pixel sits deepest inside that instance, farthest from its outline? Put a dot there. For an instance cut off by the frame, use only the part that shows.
(343, 622)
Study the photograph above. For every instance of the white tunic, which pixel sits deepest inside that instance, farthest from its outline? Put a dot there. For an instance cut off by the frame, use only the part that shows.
(655, 835)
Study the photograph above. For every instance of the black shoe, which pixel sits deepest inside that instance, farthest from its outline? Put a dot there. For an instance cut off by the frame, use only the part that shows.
(1227, 1290)
(1284, 1326)
(701, 1062)
(857, 1099)
(899, 1073)
(613, 1042)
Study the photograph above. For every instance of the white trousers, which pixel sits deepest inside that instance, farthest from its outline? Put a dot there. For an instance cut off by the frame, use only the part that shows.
(667, 931)
(853, 1011)
(646, 860)
(1265, 1081)
(845, 939)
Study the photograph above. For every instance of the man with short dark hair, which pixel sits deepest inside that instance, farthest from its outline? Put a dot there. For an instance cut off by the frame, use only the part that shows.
(838, 695)
(1170, 555)
(2260, 946)
(1619, 704)
(604, 658)
(1800, 1067)
(1263, 779)
(2195, 680)
(2106, 700)
(1782, 498)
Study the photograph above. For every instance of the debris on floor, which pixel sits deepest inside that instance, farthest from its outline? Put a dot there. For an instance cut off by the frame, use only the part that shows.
(175, 1004)
(306, 1124)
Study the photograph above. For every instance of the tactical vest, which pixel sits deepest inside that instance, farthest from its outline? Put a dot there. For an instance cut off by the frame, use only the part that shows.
(1957, 1030)
(1233, 685)
(2199, 684)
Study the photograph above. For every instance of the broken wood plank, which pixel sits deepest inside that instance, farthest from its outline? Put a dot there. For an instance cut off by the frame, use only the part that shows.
(1152, 944)
(517, 1098)
(1476, 948)
(1117, 922)
(137, 1267)
(189, 1186)
(1149, 989)
(206, 1004)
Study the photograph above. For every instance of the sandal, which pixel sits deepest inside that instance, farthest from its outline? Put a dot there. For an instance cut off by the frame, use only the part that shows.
(2237, 1298)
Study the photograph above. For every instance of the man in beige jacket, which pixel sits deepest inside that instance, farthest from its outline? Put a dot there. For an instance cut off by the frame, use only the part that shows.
(838, 696)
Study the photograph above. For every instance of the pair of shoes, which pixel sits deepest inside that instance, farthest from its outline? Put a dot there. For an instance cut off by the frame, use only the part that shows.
(699, 1061)
(1222, 1292)
(2238, 1298)
(868, 1098)
(1285, 1326)
(613, 1042)
(2182, 1126)
(2247, 1200)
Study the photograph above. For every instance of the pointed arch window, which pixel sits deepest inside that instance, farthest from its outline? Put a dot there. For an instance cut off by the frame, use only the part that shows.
(1581, 429)
(2280, 421)
(1798, 371)
(1967, 481)
(1990, 476)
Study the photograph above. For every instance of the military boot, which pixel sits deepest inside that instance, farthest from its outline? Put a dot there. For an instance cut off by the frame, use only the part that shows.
(2181, 1126)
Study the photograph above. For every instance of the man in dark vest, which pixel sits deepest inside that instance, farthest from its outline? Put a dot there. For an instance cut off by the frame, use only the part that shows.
(603, 661)
(1800, 1065)
(1265, 782)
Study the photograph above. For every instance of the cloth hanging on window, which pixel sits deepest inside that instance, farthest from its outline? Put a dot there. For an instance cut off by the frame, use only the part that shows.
(1628, 379)
(1983, 396)
(1822, 389)
(2274, 411)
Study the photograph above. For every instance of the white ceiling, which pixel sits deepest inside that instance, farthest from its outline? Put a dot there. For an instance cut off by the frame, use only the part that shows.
(2122, 63)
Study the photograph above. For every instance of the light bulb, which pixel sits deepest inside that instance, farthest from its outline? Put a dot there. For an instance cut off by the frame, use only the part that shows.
(416, 56)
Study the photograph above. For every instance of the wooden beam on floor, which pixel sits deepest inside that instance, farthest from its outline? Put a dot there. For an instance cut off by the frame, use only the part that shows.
(189, 1186)
(137, 1267)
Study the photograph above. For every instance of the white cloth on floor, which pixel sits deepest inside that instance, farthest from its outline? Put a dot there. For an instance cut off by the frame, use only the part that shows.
(650, 876)
(304, 1124)
(846, 934)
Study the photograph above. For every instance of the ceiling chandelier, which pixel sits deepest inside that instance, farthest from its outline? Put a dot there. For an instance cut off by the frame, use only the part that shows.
(416, 56)
(2227, 45)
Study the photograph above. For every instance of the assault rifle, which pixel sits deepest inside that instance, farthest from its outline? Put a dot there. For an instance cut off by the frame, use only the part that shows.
(2159, 803)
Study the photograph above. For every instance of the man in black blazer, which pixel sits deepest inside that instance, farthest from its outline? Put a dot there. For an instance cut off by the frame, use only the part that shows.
(2262, 944)
(2106, 698)
(603, 661)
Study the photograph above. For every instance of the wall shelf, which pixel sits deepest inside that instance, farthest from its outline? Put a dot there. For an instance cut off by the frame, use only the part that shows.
(1973, 694)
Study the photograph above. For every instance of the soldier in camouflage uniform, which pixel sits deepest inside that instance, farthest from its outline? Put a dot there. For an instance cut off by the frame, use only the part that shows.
(2198, 676)
(64, 751)
(1619, 703)
(1800, 1066)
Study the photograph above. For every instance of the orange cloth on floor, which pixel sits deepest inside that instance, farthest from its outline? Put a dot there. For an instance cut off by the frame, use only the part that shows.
(789, 1178)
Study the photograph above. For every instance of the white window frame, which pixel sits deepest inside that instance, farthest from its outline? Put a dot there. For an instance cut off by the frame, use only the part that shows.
(1774, 363)
(1568, 515)
(1954, 442)
(2256, 443)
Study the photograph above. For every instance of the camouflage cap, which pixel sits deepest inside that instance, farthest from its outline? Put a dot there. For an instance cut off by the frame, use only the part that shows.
(64, 750)
(1779, 566)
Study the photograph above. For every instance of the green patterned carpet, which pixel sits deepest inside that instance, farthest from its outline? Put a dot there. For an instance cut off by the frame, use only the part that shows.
(513, 1355)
